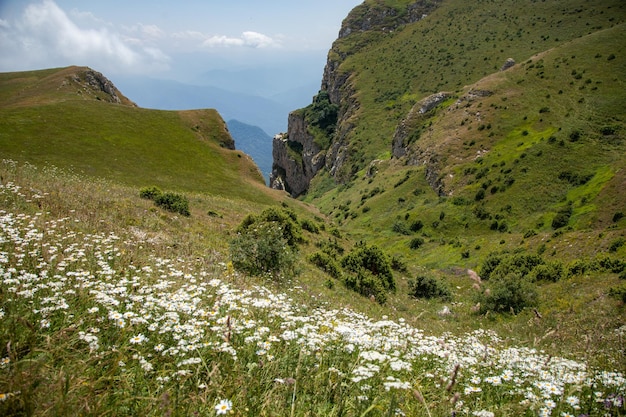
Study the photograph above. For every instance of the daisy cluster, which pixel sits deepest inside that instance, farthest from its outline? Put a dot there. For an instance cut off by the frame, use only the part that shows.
(176, 326)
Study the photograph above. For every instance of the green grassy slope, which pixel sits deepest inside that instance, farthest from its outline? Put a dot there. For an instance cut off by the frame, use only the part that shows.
(457, 45)
(550, 123)
(47, 119)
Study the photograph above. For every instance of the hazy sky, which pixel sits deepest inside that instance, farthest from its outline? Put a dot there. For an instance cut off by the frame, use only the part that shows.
(167, 39)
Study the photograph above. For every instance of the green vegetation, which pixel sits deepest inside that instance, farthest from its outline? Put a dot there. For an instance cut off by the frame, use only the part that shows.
(176, 203)
(508, 293)
(112, 306)
(369, 272)
(267, 243)
(428, 287)
(181, 151)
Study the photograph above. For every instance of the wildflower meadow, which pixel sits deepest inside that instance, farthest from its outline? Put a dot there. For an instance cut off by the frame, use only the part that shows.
(94, 323)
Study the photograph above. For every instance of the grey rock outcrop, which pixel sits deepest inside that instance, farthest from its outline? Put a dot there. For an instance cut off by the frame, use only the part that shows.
(297, 158)
(507, 64)
(407, 127)
(295, 174)
(93, 83)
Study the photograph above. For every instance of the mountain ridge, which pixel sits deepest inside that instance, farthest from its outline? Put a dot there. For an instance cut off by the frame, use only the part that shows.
(75, 117)
(403, 89)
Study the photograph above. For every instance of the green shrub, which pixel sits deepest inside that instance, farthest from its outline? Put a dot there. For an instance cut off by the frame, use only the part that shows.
(263, 249)
(310, 226)
(562, 217)
(371, 259)
(607, 263)
(364, 282)
(616, 244)
(428, 287)
(327, 264)
(331, 248)
(618, 216)
(416, 226)
(397, 264)
(150, 193)
(517, 263)
(509, 293)
(416, 243)
(480, 195)
(490, 263)
(176, 203)
(499, 264)
(579, 267)
(285, 220)
(401, 228)
(619, 293)
(550, 271)
(530, 233)
(322, 114)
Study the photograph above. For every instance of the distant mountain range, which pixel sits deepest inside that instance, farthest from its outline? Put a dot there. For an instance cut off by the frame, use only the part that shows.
(255, 142)
(269, 115)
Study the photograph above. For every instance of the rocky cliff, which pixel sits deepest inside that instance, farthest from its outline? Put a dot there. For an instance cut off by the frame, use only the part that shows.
(297, 158)
(293, 170)
(93, 84)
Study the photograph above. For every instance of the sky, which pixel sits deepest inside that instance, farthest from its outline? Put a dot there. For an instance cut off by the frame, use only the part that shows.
(175, 40)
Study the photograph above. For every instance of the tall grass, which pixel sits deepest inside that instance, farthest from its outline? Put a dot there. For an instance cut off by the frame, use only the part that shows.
(102, 319)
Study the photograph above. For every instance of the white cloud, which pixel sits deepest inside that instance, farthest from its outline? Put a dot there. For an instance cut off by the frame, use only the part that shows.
(189, 34)
(247, 39)
(45, 36)
(147, 32)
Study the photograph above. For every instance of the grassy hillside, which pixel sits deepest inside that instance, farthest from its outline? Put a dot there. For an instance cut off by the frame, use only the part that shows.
(457, 45)
(111, 305)
(46, 118)
(548, 133)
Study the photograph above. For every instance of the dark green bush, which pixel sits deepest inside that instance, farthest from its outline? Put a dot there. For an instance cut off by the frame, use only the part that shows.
(370, 258)
(263, 249)
(176, 203)
(562, 217)
(509, 293)
(364, 282)
(579, 267)
(327, 264)
(323, 115)
(401, 228)
(480, 195)
(428, 287)
(416, 243)
(550, 271)
(267, 243)
(500, 264)
(574, 178)
(609, 130)
(517, 263)
(490, 263)
(310, 226)
(607, 263)
(616, 244)
(285, 220)
(150, 193)
(618, 216)
(416, 226)
(398, 264)
(529, 233)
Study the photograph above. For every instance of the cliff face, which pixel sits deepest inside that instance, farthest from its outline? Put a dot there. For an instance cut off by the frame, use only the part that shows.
(297, 158)
(294, 172)
(93, 84)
